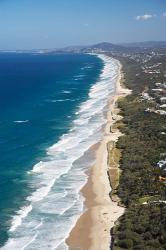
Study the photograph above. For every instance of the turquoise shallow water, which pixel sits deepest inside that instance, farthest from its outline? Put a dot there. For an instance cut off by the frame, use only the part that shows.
(39, 95)
(52, 110)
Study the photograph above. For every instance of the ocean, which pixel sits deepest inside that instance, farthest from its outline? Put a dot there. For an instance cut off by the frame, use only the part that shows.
(52, 111)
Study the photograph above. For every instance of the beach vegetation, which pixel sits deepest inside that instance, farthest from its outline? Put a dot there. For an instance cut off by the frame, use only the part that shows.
(140, 189)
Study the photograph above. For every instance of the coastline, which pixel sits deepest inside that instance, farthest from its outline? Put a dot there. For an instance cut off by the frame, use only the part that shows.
(92, 230)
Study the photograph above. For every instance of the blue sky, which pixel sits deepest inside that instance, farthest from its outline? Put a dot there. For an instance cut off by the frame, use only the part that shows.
(27, 24)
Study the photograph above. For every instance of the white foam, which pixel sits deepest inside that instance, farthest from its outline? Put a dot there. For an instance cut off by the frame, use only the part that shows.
(56, 203)
(21, 121)
(40, 193)
(86, 67)
(62, 100)
(21, 214)
(37, 167)
(80, 76)
(66, 91)
(29, 242)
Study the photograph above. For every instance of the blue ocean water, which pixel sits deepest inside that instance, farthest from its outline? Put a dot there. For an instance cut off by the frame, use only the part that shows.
(51, 109)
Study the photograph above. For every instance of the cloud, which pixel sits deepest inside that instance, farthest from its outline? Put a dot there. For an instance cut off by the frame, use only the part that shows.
(164, 15)
(145, 17)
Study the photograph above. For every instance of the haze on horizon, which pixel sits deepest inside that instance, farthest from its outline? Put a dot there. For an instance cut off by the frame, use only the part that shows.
(30, 24)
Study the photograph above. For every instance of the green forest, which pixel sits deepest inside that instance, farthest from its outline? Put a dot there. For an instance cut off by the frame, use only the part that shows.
(143, 225)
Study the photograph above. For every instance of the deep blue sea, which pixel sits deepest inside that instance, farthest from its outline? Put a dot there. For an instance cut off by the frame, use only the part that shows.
(51, 112)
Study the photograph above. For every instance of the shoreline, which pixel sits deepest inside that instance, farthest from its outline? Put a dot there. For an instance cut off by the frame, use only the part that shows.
(92, 230)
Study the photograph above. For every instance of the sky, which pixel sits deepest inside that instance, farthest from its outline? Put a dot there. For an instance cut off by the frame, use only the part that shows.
(35, 24)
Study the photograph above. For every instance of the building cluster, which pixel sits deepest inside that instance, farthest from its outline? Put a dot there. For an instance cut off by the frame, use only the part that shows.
(145, 96)
(151, 69)
(159, 96)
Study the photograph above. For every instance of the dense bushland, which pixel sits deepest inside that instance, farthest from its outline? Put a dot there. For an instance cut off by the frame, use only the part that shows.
(143, 226)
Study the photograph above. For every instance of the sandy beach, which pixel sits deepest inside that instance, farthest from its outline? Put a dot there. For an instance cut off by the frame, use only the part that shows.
(92, 230)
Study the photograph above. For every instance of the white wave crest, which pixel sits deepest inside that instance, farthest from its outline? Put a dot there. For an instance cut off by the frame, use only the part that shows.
(21, 214)
(21, 121)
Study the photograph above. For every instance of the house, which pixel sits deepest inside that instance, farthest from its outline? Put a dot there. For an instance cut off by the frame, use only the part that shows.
(146, 96)
(163, 99)
(160, 112)
(162, 163)
(158, 84)
(159, 90)
(163, 106)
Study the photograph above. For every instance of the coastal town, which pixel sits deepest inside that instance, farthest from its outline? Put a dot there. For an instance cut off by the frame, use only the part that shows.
(142, 182)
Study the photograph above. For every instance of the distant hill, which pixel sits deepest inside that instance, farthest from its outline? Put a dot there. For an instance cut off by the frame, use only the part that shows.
(107, 46)
(75, 47)
(148, 44)
(124, 47)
